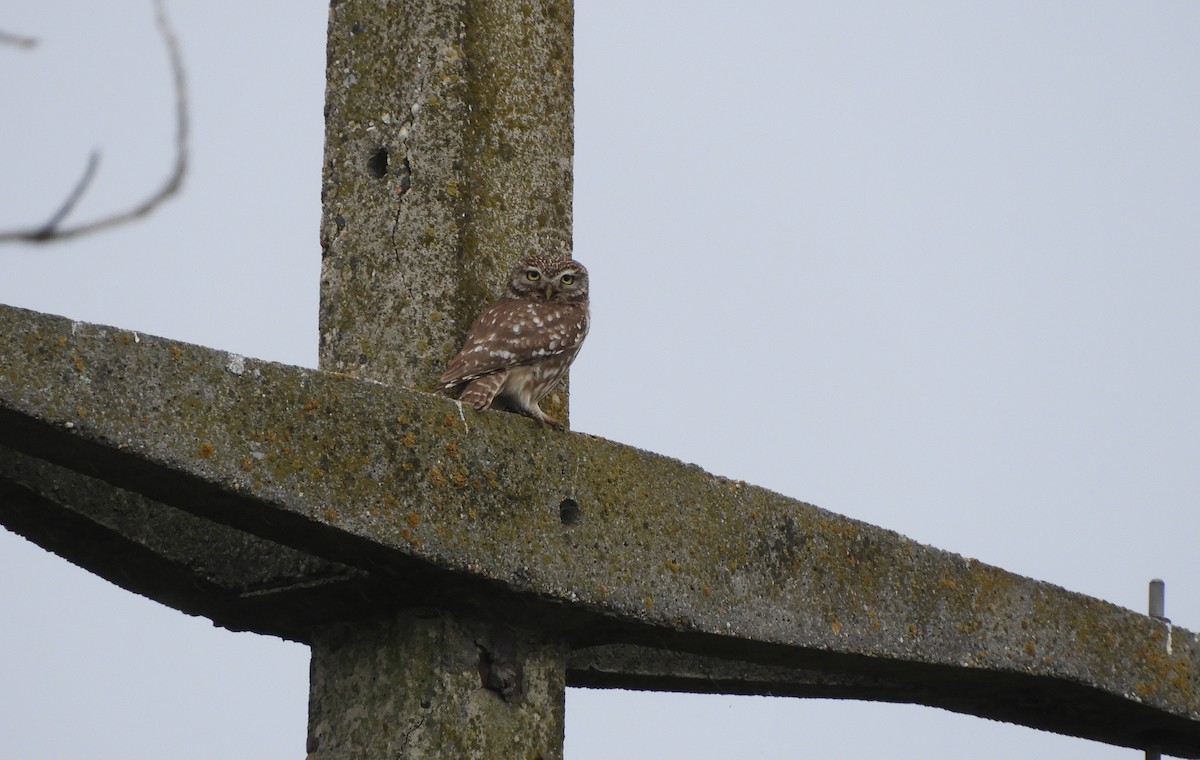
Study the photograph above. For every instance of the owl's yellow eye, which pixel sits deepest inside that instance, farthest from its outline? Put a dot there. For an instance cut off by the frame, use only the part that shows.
(533, 275)
(567, 279)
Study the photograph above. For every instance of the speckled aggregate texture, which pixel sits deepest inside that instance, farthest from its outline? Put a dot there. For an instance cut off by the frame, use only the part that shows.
(615, 551)
(407, 669)
(448, 158)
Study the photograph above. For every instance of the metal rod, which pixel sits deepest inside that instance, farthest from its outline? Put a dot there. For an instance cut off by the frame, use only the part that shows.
(1158, 610)
(1158, 600)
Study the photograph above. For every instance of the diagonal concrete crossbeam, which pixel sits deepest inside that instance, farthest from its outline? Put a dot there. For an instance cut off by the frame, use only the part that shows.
(276, 499)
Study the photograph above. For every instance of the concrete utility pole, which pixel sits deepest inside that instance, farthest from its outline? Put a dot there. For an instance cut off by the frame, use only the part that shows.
(449, 140)
(454, 571)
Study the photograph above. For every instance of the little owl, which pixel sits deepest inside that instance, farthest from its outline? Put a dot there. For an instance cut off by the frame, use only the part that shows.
(521, 346)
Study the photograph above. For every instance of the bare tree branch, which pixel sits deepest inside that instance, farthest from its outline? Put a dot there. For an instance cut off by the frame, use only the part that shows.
(50, 227)
(17, 40)
(51, 231)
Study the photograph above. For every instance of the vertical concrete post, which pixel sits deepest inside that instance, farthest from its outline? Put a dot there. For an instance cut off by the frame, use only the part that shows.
(447, 157)
(425, 684)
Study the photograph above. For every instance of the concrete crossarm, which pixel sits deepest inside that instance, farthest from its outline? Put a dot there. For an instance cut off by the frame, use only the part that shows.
(660, 575)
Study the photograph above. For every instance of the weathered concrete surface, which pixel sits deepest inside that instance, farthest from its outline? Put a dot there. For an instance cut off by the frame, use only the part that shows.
(449, 143)
(241, 581)
(420, 684)
(597, 544)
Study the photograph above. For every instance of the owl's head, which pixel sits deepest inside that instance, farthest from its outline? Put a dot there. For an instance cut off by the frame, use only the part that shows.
(549, 278)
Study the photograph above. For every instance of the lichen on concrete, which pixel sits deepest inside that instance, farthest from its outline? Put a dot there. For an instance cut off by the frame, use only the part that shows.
(448, 155)
(657, 552)
(417, 684)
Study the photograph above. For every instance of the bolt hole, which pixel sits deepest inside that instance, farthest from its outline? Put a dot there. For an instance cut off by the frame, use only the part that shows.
(568, 512)
(377, 164)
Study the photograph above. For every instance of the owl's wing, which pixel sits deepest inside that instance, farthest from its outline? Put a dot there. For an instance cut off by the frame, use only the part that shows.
(510, 333)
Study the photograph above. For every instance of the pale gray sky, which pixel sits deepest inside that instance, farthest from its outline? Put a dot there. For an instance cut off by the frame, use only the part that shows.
(932, 265)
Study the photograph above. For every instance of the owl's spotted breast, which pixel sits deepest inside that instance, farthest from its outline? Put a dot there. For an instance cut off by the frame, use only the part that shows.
(510, 333)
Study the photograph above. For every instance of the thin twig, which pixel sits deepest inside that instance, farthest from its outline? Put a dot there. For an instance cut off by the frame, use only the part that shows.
(50, 231)
(17, 40)
(49, 228)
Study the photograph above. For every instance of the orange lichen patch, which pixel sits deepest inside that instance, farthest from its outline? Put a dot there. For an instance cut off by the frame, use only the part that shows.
(206, 450)
(176, 352)
(413, 519)
(435, 477)
(1183, 676)
(312, 406)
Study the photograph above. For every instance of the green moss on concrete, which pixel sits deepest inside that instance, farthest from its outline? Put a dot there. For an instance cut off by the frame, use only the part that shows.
(474, 112)
(659, 544)
(414, 685)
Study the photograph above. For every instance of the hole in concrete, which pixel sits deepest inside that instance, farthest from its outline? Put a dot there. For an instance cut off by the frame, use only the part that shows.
(568, 512)
(499, 673)
(377, 164)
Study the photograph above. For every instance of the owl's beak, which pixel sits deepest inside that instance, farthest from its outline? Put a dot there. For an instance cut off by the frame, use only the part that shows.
(549, 292)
